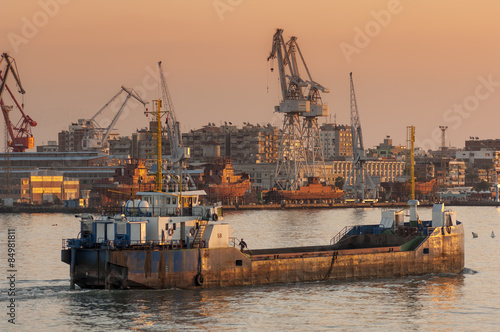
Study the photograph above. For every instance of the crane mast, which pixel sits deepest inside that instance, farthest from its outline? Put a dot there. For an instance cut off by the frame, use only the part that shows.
(300, 150)
(178, 153)
(20, 137)
(355, 185)
(176, 150)
(357, 136)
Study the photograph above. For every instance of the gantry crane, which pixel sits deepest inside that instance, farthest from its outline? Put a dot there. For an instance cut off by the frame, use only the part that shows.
(96, 137)
(355, 185)
(300, 148)
(20, 136)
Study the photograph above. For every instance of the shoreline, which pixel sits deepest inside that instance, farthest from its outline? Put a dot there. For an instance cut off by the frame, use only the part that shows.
(400, 205)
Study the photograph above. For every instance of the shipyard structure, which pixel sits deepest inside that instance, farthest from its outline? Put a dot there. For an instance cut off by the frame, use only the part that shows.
(458, 174)
(92, 164)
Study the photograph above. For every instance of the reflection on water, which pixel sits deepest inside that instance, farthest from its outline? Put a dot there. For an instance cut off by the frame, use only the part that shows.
(468, 301)
(402, 303)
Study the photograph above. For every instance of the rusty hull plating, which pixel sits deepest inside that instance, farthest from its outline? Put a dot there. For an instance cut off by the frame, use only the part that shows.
(393, 248)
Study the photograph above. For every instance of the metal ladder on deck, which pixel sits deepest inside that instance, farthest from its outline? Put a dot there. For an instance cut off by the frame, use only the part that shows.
(199, 234)
(341, 234)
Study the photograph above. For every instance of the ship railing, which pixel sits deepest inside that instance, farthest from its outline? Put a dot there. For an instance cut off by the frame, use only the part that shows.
(341, 234)
(233, 241)
(195, 211)
(172, 244)
(198, 211)
(133, 244)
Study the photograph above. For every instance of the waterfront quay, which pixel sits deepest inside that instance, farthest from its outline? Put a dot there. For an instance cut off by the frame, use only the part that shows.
(388, 205)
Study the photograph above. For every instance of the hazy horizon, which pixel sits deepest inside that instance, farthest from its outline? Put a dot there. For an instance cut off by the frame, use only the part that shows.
(420, 63)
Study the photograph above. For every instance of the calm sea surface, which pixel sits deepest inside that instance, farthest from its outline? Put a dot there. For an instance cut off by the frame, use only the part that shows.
(469, 301)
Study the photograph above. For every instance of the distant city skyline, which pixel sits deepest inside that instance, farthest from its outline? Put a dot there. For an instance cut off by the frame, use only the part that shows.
(420, 63)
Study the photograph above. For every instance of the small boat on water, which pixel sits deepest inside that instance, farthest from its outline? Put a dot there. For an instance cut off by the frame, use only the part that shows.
(168, 240)
(313, 192)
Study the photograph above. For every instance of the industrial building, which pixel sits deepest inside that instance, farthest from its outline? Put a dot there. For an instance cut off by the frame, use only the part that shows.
(262, 175)
(20, 173)
(39, 187)
(483, 158)
(476, 144)
(53, 160)
(51, 146)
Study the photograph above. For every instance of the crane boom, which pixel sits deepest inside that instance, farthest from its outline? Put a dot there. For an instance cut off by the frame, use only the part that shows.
(130, 94)
(106, 105)
(97, 136)
(177, 152)
(356, 184)
(20, 134)
(277, 51)
(10, 68)
(357, 136)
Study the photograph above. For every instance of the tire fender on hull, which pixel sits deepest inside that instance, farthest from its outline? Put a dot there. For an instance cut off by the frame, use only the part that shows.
(199, 279)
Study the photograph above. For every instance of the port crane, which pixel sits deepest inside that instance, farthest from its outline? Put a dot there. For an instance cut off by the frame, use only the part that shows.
(356, 184)
(96, 137)
(20, 137)
(178, 153)
(300, 149)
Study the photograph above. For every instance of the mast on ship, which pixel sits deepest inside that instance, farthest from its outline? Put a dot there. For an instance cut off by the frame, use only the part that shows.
(158, 114)
(412, 202)
(164, 111)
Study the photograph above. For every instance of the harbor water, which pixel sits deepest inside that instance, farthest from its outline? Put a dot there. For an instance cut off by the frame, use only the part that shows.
(43, 300)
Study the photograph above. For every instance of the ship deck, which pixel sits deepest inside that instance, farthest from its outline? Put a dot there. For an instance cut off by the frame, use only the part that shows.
(312, 251)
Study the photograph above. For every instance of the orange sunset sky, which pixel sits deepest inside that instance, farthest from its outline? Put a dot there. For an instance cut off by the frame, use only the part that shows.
(424, 63)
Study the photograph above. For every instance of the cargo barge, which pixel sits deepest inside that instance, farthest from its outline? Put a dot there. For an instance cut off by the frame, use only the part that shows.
(168, 240)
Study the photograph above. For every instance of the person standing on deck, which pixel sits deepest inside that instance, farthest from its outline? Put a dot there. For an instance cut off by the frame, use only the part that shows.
(243, 245)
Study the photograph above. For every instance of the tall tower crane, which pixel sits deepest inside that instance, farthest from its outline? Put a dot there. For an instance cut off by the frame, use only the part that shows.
(20, 137)
(96, 137)
(300, 148)
(178, 153)
(355, 185)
